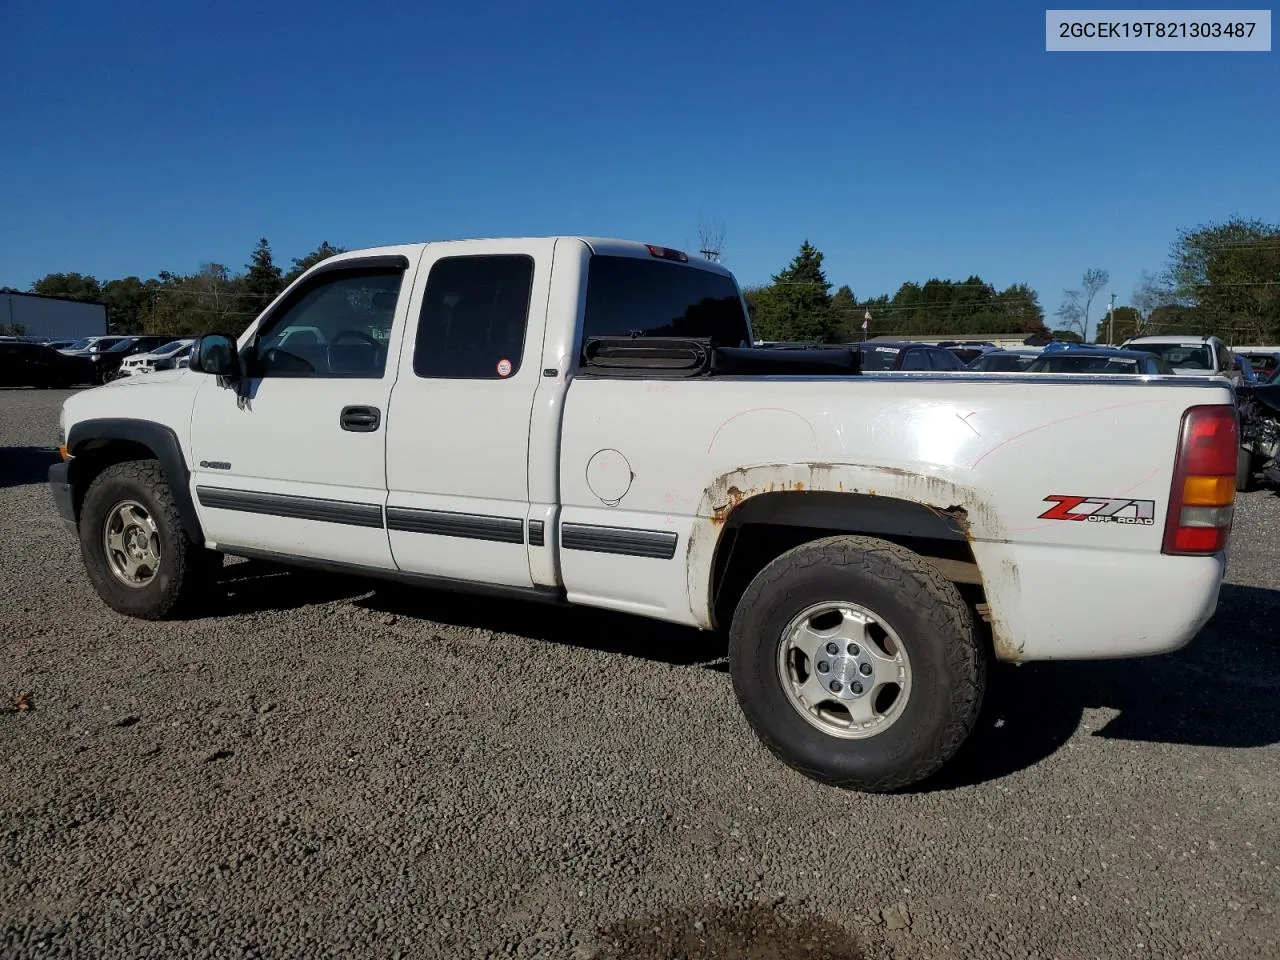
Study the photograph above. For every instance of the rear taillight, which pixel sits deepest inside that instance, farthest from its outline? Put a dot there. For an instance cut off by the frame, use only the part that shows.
(1201, 502)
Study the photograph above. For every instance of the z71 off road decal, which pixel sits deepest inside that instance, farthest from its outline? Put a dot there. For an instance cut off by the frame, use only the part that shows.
(1100, 509)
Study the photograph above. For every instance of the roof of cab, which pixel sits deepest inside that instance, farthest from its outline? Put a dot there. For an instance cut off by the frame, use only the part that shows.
(602, 246)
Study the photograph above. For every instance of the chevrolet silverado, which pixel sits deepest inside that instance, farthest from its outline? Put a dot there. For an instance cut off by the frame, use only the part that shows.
(588, 421)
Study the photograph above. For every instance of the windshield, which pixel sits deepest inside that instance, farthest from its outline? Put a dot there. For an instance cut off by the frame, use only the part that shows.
(1002, 362)
(168, 348)
(122, 346)
(1179, 355)
(103, 344)
(879, 358)
(1075, 363)
(78, 344)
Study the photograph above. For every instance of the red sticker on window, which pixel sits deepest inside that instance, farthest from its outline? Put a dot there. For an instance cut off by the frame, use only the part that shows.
(504, 367)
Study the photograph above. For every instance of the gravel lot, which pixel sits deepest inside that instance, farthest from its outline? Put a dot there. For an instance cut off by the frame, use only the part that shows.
(325, 768)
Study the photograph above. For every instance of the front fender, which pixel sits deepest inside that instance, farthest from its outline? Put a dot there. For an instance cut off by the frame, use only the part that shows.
(86, 436)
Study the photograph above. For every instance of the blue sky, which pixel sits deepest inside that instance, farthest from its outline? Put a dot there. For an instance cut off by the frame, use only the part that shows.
(926, 140)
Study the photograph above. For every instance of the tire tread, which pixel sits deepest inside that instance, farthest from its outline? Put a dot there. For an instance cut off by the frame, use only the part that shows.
(181, 584)
(921, 585)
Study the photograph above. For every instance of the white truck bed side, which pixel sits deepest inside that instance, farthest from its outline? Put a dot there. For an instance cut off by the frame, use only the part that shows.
(988, 451)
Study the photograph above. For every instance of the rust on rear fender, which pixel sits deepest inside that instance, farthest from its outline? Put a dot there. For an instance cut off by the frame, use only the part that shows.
(960, 505)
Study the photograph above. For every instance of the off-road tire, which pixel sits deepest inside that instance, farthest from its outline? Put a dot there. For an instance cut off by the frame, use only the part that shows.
(185, 569)
(948, 661)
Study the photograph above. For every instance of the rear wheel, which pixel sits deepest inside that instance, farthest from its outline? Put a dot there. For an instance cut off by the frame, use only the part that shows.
(135, 549)
(1244, 470)
(857, 663)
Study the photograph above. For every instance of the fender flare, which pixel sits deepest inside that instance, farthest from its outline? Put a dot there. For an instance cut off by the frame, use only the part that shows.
(158, 438)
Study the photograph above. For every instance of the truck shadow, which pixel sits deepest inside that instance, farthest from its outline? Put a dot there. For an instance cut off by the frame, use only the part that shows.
(255, 585)
(1219, 691)
(583, 627)
(20, 466)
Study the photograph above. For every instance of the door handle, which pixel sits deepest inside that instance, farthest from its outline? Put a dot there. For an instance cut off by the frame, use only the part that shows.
(360, 419)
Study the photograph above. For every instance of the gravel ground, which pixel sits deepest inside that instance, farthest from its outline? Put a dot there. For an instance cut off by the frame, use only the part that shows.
(324, 768)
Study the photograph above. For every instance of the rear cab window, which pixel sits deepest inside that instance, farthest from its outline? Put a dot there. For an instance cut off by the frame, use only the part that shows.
(1185, 356)
(474, 317)
(634, 297)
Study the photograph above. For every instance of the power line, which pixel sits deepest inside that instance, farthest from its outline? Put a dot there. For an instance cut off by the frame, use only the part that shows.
(1239, 283)
(1263, 242)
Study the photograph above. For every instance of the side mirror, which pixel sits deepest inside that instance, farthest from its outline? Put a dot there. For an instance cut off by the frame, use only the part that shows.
(216, 354)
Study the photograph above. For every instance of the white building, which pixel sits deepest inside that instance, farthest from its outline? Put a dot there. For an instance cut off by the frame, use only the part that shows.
(34, 315)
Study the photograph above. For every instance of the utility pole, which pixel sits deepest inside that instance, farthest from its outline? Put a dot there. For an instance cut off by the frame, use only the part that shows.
(1111, 322)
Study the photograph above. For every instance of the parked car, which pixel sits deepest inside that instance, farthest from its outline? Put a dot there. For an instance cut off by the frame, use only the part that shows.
(146, 362)
(1054, 346)
(558, 419)
(1101, 360)
(883, 356)
(1258, 403)
(1190, 356)
(969, 351)
(35, 365)
(106, 363)
(178, 360)
(1003, 361)
(1264, 364)
(1247, 373)
(87, 346)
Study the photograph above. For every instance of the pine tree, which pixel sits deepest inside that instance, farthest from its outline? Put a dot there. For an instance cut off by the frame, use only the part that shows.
(845, 307)
(263, 281)
(797, 306)
(259, 285)
(302, 264)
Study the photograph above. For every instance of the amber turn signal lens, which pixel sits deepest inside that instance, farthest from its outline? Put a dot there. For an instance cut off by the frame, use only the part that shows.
(1208, 491)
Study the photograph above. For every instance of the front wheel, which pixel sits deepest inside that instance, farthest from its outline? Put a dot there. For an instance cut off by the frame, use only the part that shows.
(857, 663)
(135, 549)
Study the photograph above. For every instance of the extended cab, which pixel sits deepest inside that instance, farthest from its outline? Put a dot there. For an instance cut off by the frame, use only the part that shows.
(586, 421)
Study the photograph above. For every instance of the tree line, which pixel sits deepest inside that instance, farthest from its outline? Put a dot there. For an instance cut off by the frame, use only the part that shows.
(214, 299)
(1220, 278)
(798, 305)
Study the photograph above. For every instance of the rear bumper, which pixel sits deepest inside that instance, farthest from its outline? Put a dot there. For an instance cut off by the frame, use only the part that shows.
(1063, 603)
(59, 486)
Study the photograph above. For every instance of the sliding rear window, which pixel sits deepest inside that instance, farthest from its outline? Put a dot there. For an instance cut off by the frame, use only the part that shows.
(630, 297)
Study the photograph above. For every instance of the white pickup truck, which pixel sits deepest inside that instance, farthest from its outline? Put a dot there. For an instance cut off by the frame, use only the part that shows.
(585, 421)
